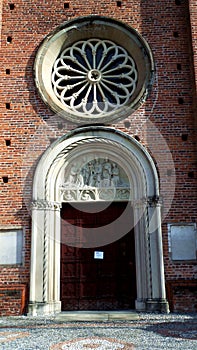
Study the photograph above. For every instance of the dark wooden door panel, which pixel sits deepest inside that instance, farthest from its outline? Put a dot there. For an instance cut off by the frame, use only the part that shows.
(89, 283)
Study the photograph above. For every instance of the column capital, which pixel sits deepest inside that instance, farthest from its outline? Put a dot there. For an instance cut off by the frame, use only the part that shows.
(154, 201)
(42, 204)
(151, 201)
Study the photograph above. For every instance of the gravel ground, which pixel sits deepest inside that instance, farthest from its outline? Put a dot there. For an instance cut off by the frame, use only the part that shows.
(150, 332)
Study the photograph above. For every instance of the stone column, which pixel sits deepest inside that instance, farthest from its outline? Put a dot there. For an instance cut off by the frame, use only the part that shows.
(142, 254)
(57, 244)
(36, 271)
(158, 301)
(43, 271)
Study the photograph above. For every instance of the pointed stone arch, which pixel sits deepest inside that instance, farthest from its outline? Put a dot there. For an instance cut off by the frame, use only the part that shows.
(140, 169)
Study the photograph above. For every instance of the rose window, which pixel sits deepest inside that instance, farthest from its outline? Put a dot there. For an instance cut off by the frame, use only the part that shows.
(94, 77)
(94, 70)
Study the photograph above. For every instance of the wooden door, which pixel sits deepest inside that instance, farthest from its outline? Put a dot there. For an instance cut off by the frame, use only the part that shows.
(89, 282)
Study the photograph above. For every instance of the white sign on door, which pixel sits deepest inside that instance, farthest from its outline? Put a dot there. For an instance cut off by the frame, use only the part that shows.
(98, 255)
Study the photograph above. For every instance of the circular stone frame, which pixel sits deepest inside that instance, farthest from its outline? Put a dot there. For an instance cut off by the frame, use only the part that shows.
(84, 28)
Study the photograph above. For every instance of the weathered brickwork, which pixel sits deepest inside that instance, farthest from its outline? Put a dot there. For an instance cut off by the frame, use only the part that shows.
(28, 127)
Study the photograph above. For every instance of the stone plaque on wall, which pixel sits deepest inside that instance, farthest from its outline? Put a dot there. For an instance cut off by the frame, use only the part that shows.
(11, 245)
(182, 242)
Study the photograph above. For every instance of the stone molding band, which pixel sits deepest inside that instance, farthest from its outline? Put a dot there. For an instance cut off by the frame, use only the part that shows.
(47, 205)
(44, 204)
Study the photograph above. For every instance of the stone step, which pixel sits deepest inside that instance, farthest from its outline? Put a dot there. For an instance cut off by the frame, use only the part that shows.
(97, 316)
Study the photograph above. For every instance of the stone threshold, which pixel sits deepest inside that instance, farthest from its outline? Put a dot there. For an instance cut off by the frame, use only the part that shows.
(97, 316)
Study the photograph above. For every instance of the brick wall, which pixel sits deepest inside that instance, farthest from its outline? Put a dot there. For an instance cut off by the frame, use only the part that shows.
(193, 21)
(28, 126)
(13, 299)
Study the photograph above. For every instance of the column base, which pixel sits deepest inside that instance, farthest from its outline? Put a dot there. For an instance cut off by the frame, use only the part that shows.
(152, 305)
(160, 305)
(44, 309)
(140, 305)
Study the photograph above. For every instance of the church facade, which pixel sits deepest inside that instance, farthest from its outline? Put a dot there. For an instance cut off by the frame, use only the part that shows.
(98, 178)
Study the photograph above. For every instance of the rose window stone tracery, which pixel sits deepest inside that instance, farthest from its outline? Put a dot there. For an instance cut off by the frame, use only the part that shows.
(94, 70)
(94, 77)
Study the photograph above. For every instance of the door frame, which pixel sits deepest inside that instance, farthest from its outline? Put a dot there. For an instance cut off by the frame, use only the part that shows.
(46, 206)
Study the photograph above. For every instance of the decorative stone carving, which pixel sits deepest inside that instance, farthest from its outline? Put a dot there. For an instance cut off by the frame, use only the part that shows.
(43, 204)
(95, 178)
(94, 77)
(154, 201)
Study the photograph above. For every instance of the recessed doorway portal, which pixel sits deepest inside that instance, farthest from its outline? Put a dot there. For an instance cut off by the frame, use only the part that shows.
(97, 277)
(60, 178)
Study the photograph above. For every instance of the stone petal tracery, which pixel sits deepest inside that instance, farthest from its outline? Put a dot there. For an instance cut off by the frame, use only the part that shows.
(94, 77)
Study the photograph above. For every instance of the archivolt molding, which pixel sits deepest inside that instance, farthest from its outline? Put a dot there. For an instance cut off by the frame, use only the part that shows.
(116, 153)
(101, 141)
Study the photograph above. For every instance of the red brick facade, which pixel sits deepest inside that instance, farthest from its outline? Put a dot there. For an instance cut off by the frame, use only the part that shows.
(28, 127)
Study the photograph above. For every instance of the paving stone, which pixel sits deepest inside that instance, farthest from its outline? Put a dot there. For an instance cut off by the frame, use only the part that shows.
(149, 331)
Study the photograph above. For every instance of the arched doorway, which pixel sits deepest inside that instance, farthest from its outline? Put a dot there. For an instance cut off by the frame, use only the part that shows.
(51, 188)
